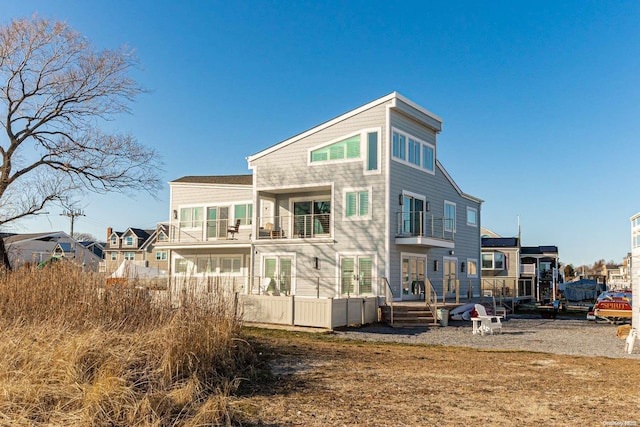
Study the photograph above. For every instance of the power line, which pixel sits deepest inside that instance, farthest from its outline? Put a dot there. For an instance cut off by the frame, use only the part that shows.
(72, 214)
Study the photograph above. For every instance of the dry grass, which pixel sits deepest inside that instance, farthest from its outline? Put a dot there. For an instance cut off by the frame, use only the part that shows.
(75, 353)
(319, 381)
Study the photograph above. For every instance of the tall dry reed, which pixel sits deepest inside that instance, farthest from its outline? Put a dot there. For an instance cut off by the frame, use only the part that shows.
(76, 352)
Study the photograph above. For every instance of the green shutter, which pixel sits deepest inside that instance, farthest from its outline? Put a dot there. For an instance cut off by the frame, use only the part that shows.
(351, 204)
(364, 203)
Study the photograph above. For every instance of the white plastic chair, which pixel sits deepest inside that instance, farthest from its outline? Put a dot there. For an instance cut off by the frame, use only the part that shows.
(488, 324)
(630, 341)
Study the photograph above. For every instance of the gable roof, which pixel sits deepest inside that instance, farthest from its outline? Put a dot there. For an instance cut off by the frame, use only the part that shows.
(393, 96)
(216, 179)
(455, 186)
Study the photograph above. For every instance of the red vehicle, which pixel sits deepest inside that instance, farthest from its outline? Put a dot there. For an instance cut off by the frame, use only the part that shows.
(612, 306)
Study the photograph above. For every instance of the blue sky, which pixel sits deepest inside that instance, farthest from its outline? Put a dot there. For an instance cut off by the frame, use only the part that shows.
(540, 100)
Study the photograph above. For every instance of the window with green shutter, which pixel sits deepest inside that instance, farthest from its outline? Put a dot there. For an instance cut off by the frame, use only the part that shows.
(357, 204)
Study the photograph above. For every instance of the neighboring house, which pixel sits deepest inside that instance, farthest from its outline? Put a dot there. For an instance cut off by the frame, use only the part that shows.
(350, 208)
(634, 268)
(512, 270)
(618, 276)
(96, 247)
(35, 248)
(137, 245)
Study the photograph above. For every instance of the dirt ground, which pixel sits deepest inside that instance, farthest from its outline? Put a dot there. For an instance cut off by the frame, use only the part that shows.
(318, 380)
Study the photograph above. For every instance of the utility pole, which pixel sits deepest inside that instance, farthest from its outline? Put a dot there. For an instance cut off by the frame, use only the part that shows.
(72, 214)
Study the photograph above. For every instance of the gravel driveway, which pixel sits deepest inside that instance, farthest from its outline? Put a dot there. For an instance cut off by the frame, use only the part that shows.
(560, 336)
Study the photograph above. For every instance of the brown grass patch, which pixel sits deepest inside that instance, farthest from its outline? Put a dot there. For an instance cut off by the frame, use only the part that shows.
(322, 381)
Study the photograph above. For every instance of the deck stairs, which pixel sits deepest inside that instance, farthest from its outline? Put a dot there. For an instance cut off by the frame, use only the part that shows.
(408, 315)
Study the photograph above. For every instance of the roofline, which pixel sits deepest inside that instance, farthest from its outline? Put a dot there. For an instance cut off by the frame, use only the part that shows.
(390, 97)
(35, 236)
(209, 184)
(463, 194)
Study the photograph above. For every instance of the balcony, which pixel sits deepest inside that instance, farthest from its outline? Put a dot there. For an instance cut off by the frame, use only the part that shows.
(417, 229)
(311, 226)
(206, 232)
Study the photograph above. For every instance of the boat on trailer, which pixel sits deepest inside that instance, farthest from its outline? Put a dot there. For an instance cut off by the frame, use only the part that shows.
(612, 306)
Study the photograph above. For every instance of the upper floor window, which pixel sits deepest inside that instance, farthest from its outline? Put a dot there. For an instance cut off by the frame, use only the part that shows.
(449, 216)
(472, 217)
(161, 256)
(372, 151)
(493, 261)
(244, 213)
(357, 204)
(114, 240)
(348, 148)
(128, 241)
(412, 151)
(162, 237)
(190, 217)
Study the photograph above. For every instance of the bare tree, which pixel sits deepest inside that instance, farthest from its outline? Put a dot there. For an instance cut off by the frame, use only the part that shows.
(58, 93)
(84, 237)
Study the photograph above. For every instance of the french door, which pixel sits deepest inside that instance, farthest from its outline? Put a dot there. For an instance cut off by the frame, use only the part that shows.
(450, 274)
(279, 269)
(414, 269)
(356, 275)
(412, 216)
(217, 222)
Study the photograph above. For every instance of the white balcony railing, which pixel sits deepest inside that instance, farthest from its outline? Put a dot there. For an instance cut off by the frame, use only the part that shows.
(417, 224)
(295, 226)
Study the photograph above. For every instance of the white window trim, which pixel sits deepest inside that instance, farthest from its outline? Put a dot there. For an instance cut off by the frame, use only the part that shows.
(493, 261)
(406, 161)
(291, 255)
(474, 260)
(232, 212)
(333, 141)
(204, 215)
(369, 190)
(218, 272)
(455, 218)
(126, 241)
(364, 150)
(467, 219)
